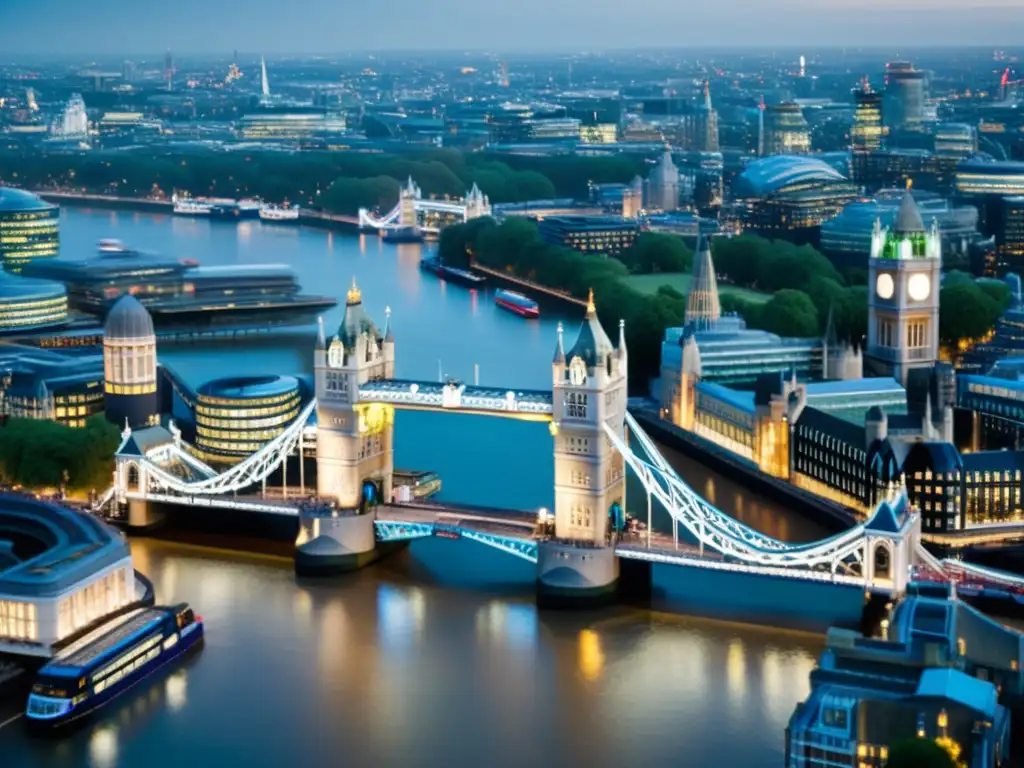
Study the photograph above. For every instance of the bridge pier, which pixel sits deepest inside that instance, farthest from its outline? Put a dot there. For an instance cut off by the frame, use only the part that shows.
(332, 542)
(570, 575)
(142, 515)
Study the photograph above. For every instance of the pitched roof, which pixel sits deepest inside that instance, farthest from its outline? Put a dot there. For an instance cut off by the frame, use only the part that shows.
(909, 220)
(834, 426)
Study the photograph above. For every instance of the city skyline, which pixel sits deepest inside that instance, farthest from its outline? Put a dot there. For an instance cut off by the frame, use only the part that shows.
(192, 27)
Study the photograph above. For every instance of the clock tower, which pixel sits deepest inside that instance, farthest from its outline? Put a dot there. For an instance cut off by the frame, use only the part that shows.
(904, 272)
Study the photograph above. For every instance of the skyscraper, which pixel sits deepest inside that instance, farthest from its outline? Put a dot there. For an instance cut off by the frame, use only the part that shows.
(785, 130)
(866, 134)
(169, 69)
(663, 184)
(904, 96)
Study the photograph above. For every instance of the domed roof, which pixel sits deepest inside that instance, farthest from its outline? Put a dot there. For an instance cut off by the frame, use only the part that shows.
(16, 200)
(770, 174)
(128, 319)
(17, 288)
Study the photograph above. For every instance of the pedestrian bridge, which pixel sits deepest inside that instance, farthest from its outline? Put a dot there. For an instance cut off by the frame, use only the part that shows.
(454, 396)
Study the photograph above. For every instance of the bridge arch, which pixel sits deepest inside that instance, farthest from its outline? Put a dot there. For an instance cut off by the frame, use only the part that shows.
(132, 477)
(882, 555)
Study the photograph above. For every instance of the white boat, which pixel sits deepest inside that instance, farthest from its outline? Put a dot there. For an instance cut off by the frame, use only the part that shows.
(275, 213)
(187, 206)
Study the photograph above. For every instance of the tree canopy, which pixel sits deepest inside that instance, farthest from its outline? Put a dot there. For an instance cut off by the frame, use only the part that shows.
(36, 453)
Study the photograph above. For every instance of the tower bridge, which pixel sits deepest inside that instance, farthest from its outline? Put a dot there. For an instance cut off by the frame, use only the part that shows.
(429, 216)
(578, 548)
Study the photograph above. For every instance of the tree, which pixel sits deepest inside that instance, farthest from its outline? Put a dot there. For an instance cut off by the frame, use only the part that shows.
(655, 252)
(966, 312)
(918, 753)
(37, 453)
(790, 313)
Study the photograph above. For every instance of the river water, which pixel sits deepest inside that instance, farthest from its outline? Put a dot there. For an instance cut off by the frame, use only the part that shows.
(438, 655)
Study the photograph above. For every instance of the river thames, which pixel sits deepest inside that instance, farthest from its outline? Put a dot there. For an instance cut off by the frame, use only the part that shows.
(438, 655)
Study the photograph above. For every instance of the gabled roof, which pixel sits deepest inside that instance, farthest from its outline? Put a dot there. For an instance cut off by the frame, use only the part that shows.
(885, 519)
(834, 426)
(592, 343)
(140, 441)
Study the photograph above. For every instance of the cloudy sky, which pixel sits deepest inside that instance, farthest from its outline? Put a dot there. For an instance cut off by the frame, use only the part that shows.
(332, 26)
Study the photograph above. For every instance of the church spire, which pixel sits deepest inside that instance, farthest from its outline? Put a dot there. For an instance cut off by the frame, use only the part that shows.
(591, 307)
(702, 304)
(389, 334)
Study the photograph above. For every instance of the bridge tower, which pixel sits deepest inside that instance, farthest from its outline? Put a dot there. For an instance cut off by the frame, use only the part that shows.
(477, 203)
(589, 390)
(407, 212)
(354, 452)
(354, 442)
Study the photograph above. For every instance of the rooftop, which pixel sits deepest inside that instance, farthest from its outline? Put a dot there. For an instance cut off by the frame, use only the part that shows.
(771, 174)
(74, 546)
(248, 387)
(18, 200)
(17, 288)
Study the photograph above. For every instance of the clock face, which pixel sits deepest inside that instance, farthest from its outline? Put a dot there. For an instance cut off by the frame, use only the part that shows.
(577, 372)
(919, 287)
(884, 286)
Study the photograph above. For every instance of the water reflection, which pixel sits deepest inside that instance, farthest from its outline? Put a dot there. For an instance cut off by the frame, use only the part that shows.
(103, 747)
(591, 657)
(400, 614)
(176, 690)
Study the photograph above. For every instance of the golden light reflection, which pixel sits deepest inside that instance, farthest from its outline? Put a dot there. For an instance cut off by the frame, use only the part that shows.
(591, 657)
(176, 689)
(103, 748)
(736, 669)
(709, 490)
(302, 605)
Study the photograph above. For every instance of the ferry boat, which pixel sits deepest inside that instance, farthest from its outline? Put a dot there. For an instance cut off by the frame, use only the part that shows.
(187, 206)
(249, 209)
(464, 277)
(402, 235)
(274, 214)
(98, 669)
(422, 485)
(516, 302)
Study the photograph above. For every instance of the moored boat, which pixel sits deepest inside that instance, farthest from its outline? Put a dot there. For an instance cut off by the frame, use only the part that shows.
(523, 306)
(434, 265)
(275, 214)
(110, 661)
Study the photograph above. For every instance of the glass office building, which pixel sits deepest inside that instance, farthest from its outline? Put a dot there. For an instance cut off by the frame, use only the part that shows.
(236, 417)
(27, 305)
(29, 228)
(590, 234)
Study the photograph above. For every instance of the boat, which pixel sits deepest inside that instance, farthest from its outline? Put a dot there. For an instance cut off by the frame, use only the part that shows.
(523, 306)
(249, 209)
(402, 235)
(187, 206)
(182, 295)
(422, 485)
(434, 265)
(275, 214)
(103, 665)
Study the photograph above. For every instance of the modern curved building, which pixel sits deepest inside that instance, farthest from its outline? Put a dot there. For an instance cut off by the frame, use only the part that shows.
(29, 228)
(846, 239)
(783, 194)
(129, 364)
(235, 417)
(29, 305)
(67, 573)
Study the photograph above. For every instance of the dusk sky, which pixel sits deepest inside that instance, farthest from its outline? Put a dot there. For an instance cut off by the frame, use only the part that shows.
(332, 26)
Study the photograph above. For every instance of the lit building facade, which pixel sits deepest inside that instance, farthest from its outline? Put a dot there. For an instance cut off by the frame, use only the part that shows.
(590, 234)
(904, 272)
(29, 228)
(236, 417)
(956, 140)
(28, 305)
(868, 130)
(291, 124)
(82, 573)
(984, 176)
(785, 130)
(66, 387)
(129, 364)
